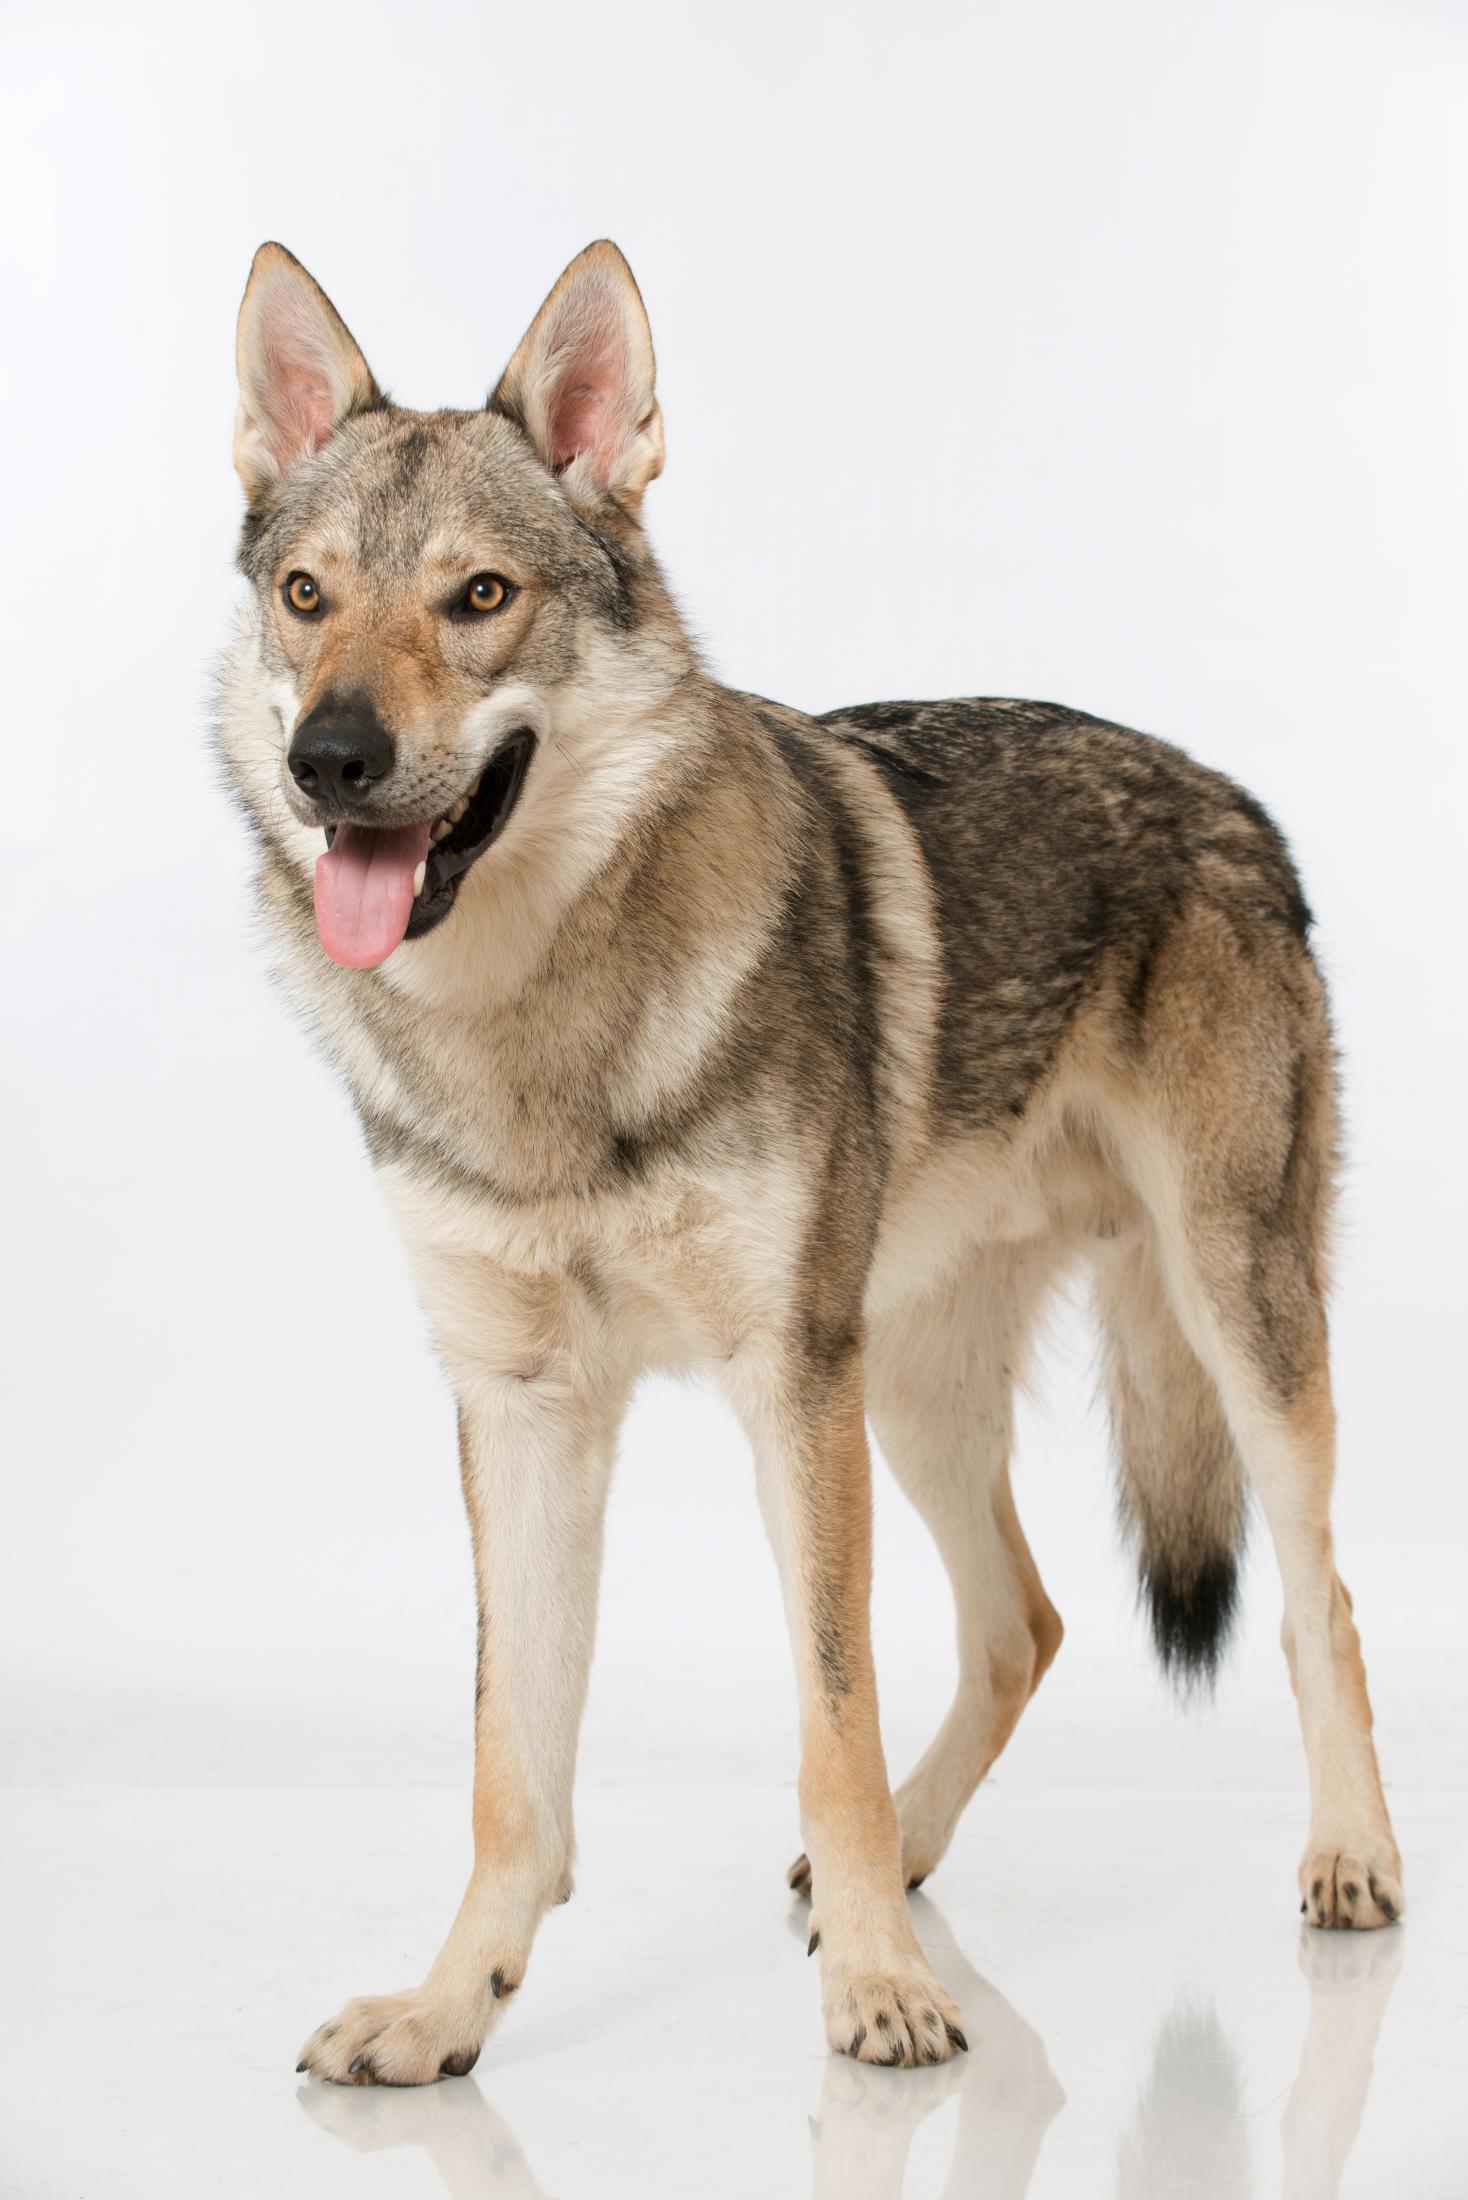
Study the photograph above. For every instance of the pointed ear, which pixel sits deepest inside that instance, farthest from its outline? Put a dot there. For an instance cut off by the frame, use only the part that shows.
(300, 372)
(581, 383)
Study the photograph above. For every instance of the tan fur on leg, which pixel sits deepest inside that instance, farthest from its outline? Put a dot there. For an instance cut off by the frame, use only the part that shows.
(882, 2002)
(538, 1414)
(1232, 1151)
(941, 1378)
(1351, 1872)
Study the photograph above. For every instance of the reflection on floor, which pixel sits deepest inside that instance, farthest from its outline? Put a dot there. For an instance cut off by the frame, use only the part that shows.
(1187, 2133)
(1147, 2018)
(862, 2134)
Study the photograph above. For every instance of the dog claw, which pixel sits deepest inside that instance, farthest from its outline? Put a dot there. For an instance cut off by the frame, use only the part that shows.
(460, 2064)
(957, 2038)
(813, 1944)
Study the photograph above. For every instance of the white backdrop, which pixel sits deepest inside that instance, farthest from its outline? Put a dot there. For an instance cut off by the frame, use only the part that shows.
(1108, 355)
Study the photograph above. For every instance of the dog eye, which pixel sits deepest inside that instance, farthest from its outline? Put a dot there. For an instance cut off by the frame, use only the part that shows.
(302, 594)
(486, 592)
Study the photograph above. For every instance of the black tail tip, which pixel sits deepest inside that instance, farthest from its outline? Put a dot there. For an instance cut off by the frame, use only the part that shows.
(1192, 1615)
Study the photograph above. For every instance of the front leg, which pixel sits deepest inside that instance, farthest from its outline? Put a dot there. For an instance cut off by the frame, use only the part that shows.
(882, 2002)
(537, 1428)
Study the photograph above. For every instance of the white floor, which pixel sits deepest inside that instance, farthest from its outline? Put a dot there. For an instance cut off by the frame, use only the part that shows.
(1147, 2019)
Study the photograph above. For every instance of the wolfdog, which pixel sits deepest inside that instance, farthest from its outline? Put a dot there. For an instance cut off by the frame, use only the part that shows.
(690, 1032)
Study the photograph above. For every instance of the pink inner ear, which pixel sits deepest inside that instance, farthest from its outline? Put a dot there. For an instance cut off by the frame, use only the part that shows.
(588, 395)
(303, 408)
(578, 424)
(296, 378)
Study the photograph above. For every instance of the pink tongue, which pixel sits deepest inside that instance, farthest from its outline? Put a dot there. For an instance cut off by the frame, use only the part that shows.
(364, 892)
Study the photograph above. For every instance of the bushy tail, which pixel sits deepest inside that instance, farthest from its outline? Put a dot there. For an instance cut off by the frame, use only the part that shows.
(1180, 1482)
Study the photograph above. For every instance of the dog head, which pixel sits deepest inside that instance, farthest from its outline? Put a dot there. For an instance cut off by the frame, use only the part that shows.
(458, 640)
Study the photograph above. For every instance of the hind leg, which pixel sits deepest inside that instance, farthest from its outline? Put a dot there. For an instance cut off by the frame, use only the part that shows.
(940, 1382)
(1262, 1337)
(1235, 1175)
(1008, 1633)
(1351, 1872)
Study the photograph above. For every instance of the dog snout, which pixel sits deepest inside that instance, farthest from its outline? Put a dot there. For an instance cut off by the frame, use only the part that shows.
(340, 752)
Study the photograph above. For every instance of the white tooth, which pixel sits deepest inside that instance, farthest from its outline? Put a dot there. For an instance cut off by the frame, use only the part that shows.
(458, 810)
(442, 829)
(418, 877)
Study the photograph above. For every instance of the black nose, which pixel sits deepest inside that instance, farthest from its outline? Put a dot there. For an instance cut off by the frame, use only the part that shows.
(340, 752)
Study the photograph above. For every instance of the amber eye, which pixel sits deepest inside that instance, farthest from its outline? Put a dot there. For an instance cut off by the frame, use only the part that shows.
(302, 594)
(486, 592)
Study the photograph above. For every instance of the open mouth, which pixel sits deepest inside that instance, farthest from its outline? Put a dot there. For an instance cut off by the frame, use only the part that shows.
(459, 839)
(379, 885)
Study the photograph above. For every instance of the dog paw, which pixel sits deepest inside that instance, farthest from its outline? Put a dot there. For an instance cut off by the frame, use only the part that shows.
(901, 2018)
(400, 2039)
(1343, 1891)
